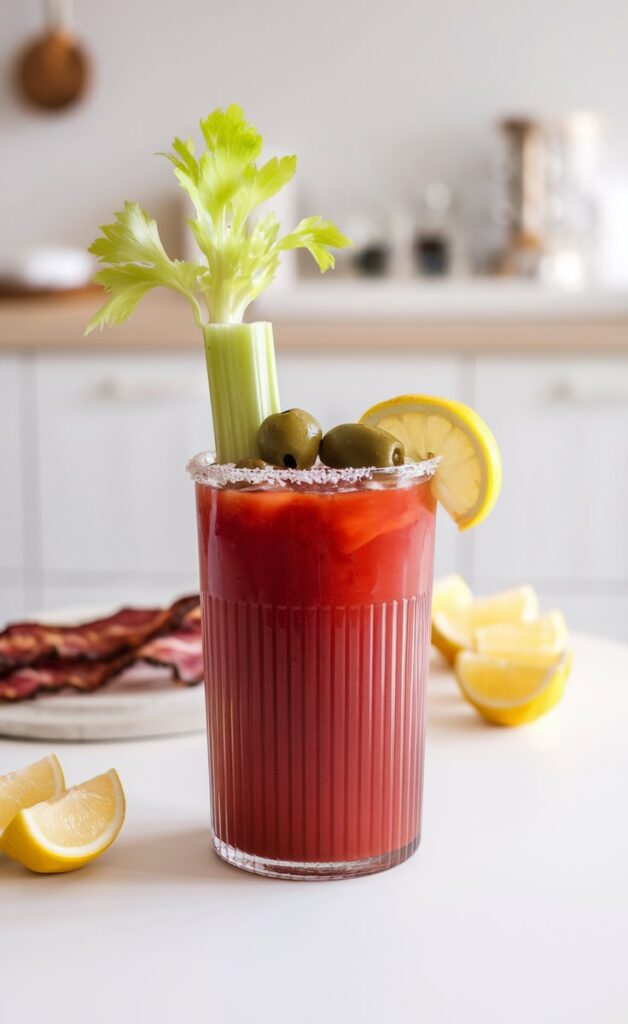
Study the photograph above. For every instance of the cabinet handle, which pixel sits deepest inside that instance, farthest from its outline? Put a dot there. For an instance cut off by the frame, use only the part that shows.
(564, 392)
(120, 390)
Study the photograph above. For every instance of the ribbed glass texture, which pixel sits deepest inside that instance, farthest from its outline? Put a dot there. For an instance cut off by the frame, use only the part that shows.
(316, 614)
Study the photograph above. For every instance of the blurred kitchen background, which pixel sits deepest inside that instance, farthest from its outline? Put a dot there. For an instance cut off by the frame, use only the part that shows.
(478, 155)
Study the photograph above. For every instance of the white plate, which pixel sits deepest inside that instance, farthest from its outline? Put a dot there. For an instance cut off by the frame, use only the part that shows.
(142, 702)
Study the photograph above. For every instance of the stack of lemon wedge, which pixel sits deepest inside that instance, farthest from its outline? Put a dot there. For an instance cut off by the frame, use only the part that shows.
(510, 662)
(49, 828)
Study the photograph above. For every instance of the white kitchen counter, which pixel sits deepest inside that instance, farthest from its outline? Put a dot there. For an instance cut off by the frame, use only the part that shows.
(476, 315)
(515, 907)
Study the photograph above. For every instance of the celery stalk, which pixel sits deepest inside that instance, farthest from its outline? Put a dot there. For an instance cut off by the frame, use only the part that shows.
(242, 384)
(239, 254)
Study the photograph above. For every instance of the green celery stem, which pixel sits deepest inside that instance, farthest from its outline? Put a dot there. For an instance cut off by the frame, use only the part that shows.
(242, 385)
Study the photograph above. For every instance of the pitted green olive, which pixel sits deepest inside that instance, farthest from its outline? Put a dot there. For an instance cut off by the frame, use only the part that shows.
(290, 439)
(251, 464)
(357, 446)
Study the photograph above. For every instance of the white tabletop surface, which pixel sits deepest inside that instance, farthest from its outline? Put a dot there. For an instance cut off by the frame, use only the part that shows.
(514, 909)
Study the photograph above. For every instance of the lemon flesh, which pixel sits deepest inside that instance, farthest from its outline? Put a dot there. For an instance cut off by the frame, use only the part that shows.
(507, 692)
(39, 781)
(468, 478)
(537, 643)
(518, 605)
(68, 831)
(450, 592)
(452, 632)
(454, 624)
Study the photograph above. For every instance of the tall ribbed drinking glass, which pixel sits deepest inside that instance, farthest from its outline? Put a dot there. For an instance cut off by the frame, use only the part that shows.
(315, 594)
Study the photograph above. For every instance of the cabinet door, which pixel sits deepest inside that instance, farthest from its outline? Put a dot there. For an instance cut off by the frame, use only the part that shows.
(115, 433)
(602, 614)
(14, 420)
(12, 599)
(337, 387)
(96, 595)
(562, 426)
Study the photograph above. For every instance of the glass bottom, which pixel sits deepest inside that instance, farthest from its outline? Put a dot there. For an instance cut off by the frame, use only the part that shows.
(312, 871)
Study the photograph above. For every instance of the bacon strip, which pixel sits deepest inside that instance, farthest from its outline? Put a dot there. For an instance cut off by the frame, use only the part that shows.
(180, 650)
(30, 643)
(80, 675)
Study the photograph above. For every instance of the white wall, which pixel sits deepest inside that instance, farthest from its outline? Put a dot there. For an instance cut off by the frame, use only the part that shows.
(374, 96)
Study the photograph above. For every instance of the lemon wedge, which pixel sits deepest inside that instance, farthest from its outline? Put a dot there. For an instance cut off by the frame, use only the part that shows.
(451, 592)
(452, 632)
(451, 600)
(70, 830)
(468, 478)
(455, 618)
(28, 786)
(507, 692)
(518, 605)
(537, 643)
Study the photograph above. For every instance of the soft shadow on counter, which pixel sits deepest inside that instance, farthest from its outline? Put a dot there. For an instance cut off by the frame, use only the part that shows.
(447, 710)
(448, 713)
(176, 855)
(184, 854)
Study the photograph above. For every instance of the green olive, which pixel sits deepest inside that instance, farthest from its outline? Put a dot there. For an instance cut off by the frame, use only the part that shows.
(251, 464)
(358, 446)
(290, 439)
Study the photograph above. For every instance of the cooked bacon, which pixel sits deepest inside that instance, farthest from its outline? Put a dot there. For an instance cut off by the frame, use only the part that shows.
(30, 643)
(179, 650)
(191, 622)
(80, 675)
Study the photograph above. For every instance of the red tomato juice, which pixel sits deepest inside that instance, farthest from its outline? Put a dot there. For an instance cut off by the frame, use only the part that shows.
(316, 617)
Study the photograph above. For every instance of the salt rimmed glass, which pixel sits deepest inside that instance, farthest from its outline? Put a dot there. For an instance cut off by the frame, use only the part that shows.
(315, 595)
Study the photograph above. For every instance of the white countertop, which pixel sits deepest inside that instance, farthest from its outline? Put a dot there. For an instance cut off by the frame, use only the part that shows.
(476, 315)
(515, 907)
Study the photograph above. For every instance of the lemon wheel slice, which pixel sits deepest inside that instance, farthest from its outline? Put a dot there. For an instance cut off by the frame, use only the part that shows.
(39, 781)
(68, 831)
(468, 479)
(509, 693)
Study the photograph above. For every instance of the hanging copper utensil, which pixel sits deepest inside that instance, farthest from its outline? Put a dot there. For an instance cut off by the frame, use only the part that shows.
(53, 70)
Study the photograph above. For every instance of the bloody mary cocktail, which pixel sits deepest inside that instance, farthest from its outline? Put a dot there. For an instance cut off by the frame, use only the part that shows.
(315, 547)
(316, 614)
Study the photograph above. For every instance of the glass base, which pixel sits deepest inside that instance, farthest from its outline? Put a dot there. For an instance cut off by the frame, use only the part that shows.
(311, 871)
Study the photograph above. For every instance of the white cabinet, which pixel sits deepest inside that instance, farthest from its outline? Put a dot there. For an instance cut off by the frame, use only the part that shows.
(14, 430)
(115, 432)
(12, 599)
(591, 612)
(562, 426)
(101, 594)
(338, 387)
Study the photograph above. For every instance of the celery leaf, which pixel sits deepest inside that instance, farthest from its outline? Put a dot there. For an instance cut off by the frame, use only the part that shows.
(317, 236)
(137, 262)
(240, 254)
(261, 185)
